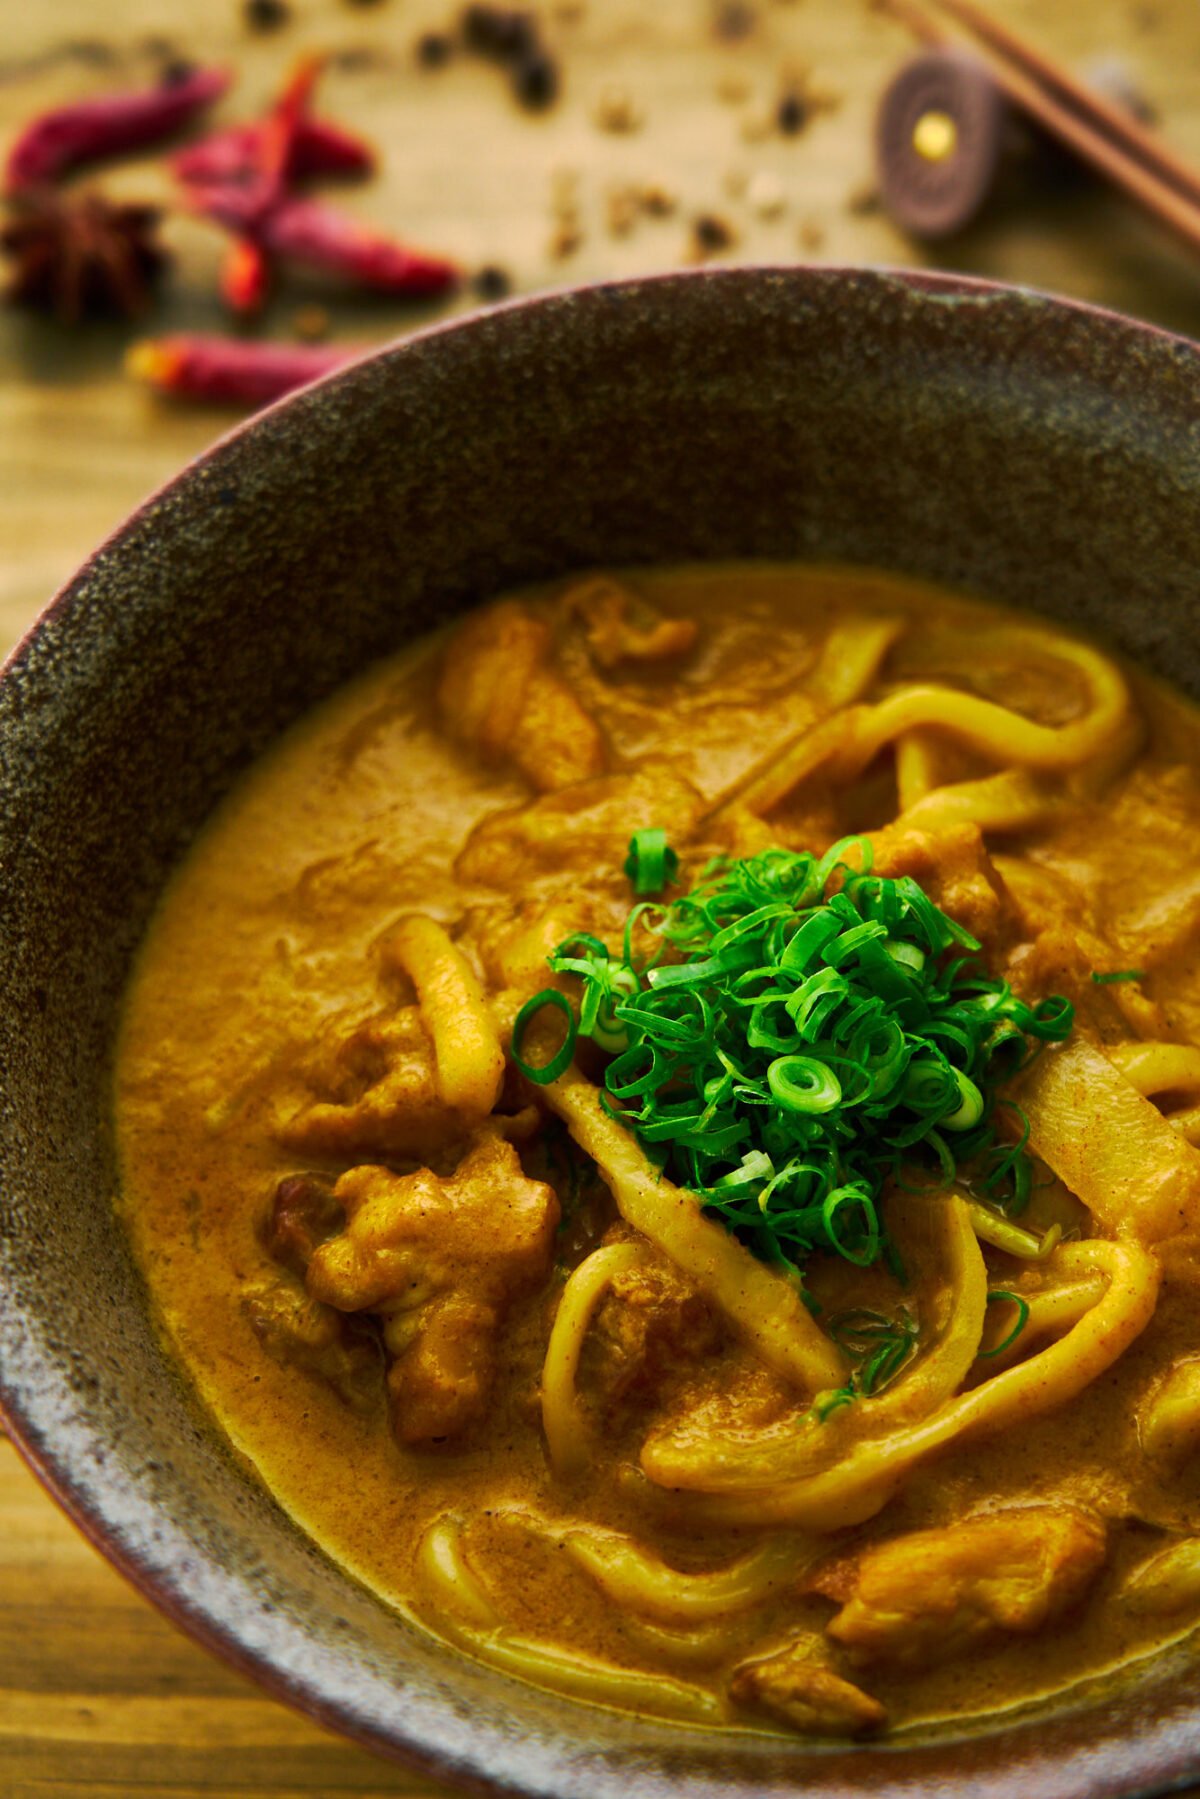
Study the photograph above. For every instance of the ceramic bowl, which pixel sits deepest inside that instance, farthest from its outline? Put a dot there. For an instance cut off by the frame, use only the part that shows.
(1035, 451)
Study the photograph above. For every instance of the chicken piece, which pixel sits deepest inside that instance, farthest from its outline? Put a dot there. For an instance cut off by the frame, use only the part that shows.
(499, 697)
(1168, 1419)
(582, 829)
(1062, 958)
(556, 741)
(303, 1215)
(443, 1365)
(1042, 898)
(792, 1685)
(410, 1080)
(933, 1593)
(623, 627)
(299, 1332)
(1059, 946)
(652, 1320)
(440, 1260)
(1167, 1583)
(1155, 920)
(376, 1095)
(955, 870)
(736, 831)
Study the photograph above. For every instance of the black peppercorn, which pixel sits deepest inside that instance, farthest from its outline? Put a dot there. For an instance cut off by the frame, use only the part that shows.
(535, 80)
(734, 20)
(434, 49)
(478, 27)
(266, 15)
(176, 70)
(503, 32)
(519, 36)
(791, 115)
(491, 282)
(711, 233)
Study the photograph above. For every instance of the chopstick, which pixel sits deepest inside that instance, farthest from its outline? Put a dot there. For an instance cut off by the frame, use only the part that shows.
(1101, 134)
(923, 25)
(1120, 124)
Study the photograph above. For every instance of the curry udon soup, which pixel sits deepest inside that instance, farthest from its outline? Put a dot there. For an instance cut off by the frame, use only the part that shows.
(662, 1123)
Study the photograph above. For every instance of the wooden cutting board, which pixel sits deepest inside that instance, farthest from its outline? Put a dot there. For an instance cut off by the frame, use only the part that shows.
(98, 1694)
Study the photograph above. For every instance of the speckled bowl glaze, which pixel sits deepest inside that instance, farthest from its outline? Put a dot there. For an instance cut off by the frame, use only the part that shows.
(1035, 451)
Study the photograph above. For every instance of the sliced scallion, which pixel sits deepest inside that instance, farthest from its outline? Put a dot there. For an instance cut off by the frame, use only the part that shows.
(800, 1033)
(651, 862)
(1001, 1296)
(548, 1071)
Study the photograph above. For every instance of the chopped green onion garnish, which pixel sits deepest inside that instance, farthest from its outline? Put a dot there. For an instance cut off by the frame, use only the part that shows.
(878, 1346)
(802, 1084)
(828, 1403)
(1002, 1295)
(651, 862)
(548, 1071)
(794, 1034)
(971, 1109)
(1119, 974)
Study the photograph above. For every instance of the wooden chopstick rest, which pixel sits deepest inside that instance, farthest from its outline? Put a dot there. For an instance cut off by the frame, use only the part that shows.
(940, 132)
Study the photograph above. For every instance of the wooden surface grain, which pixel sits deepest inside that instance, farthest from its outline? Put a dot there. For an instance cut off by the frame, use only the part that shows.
(98, 1694)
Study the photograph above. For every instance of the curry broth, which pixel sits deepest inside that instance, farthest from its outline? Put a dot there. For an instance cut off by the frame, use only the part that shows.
(264, 943)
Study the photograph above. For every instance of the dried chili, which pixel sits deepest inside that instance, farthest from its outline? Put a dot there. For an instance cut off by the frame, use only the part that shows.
(230, 370)
(108, 125)
(277, 144)
(316, 236)
(244, 180)
(320, 237)
(234, 155)
(245, 276)
(287, 146)
(246, 272)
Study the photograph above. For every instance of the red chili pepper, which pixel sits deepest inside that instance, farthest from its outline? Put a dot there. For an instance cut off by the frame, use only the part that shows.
(272, 223)
(235, 154)
(277, 145)
(279, 149)
(245, 276)
(230, 369)
(320, 237)
(108, 125)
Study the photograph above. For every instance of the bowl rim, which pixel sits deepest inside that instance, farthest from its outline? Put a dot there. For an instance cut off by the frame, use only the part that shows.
(936, 283)
(1155, 1769)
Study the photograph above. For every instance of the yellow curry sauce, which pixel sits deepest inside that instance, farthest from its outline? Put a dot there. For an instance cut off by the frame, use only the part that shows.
(641, 704)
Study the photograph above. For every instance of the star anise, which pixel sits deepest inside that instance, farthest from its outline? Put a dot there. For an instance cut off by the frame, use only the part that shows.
(78, 256)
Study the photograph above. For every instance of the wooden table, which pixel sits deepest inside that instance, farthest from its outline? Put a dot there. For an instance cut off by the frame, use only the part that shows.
(97, 1692)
